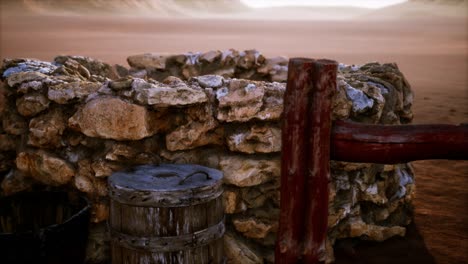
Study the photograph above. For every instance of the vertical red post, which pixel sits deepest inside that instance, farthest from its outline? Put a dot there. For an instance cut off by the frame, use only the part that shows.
(293, 161)
(318, 163)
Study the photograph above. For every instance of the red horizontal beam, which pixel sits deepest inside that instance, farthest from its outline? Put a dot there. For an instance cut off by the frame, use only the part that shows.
(354, 142)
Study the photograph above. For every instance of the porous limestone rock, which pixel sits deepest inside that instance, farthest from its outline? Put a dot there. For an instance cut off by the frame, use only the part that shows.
(147, 61)
(276, 68)
(32, 104)
(113, 118)
(230, 199)
(357, 228)
(24, 76)
(245, 171)
(247, 100)
(13, 123)
(254, 227)
(241, 101)
(12, 66)
(96, 68)
(15, 181)
(193, 135)
(208, 157)
(47, 129)
(7, 142)
(162, 95)
(200, 130)
(238, 252)
(255, 139)
(121, 84)
(65, 92)
(45, 167)
(211, 81)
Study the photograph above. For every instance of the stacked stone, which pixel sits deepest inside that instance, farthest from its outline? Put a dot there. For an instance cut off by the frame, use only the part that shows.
(73, 122)
(248, 64)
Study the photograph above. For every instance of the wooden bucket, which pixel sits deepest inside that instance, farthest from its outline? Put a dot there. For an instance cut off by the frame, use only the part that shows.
(167, 214)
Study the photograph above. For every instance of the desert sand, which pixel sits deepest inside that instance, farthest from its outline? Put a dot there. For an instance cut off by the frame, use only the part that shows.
(428, 41)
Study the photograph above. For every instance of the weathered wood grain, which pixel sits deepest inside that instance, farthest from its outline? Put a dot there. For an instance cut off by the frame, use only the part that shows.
(293, 160)
(318, 159)
(162, 233)
(385, 144)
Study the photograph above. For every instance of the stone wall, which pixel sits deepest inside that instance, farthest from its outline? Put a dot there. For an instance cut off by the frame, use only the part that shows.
(69, 124)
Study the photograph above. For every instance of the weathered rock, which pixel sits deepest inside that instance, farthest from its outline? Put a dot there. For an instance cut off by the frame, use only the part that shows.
(15, 181)
(147, 61)
(210, 56)
(103, 168)
(121, 84)
(7, 142)
(45, 167)
(86, 181)
(249, 171)
(258, 196)
(241, 101)
(272, 101)
(120, 152)
(276, 68)
(341, 105)
(26, 65)
(13, 123)
(211, 81)
(246, 100)
(200, 130)
(203, 156)
(46, 130)
(32, 104)
(7, 161)
(161, 95)
(357, 228)
(255, 139)
(28, 86)
(22, 77)
(84, 184)
(65, 92)
(97, 248)
(194, 135)
(238, 252)
(3, 97)
(254, 228)
(94, 66)
(249, 59)
(230, 199)
(99, 211)
(113, 118)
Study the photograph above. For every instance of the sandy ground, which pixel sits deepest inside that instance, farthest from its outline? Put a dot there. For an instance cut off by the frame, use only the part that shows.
(430, 47)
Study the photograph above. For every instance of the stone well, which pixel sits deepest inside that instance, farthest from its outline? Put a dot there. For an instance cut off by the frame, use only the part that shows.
(70, 123)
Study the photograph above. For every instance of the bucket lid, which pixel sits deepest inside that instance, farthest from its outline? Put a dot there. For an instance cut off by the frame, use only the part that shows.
(166, 185)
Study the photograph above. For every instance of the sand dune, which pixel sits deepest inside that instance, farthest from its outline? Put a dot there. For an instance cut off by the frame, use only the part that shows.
(428, 40)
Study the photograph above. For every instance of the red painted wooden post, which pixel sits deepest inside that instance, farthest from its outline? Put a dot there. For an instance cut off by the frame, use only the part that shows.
(309, 142)
(305, 160)
(355, 142)
(293, 161)
(318, 165)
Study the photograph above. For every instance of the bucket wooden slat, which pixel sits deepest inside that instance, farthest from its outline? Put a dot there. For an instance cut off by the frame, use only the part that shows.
(186, 228)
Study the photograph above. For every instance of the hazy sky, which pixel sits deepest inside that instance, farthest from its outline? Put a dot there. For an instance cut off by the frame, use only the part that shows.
(354, 3)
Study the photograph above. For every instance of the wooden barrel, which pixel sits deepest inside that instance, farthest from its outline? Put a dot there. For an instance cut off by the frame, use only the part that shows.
(167, 214)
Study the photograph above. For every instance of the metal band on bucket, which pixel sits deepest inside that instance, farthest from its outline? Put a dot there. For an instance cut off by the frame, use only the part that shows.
(170, 243)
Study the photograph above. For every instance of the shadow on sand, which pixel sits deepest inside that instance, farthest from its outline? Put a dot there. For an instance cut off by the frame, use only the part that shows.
(408, 249)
